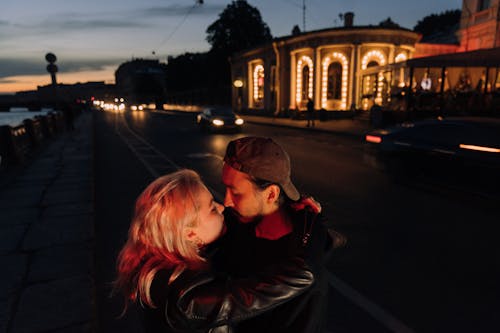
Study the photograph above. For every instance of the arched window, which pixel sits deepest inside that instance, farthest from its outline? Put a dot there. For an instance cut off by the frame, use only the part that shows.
(305, 83)
(258, 83)
(334, 79)
(334, 85)
(373, 58)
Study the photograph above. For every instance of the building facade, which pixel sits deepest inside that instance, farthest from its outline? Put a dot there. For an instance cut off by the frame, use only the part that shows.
(330, 66)
(321, 65)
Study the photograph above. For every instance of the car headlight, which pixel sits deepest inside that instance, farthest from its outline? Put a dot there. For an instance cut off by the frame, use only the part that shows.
(239, 121)
(217, 122)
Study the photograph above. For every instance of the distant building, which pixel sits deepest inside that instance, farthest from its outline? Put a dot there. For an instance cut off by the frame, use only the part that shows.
(49, 95)
(142, 81)
(339, 67)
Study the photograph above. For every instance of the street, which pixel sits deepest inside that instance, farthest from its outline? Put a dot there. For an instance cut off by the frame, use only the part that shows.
(419, 257)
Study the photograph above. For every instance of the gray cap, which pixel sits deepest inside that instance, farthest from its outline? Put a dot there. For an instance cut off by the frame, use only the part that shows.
(262, 158)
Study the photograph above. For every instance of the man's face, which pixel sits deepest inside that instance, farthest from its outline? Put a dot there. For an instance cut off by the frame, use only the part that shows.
(241, 195)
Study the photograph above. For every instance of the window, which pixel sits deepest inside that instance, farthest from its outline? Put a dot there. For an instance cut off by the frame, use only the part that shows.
(483, 5)
(305, 83)
(334, 81)
(258, 83)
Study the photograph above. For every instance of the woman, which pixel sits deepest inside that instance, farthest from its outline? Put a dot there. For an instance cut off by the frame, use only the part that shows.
(165, 265)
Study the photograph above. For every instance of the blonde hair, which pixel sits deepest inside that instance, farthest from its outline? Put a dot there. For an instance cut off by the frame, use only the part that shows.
(156, 238)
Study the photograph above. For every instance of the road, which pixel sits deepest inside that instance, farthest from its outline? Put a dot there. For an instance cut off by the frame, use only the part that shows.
(419, 258)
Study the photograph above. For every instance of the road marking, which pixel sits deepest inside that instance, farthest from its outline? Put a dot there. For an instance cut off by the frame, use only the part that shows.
(443, 151)
(379, 314)
(138, 145)
(205, 155)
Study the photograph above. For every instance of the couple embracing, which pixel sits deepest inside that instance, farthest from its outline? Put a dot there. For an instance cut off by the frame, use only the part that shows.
(254, 264)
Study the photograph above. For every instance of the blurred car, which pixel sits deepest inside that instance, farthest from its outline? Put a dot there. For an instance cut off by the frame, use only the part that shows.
(455, 150)
(219, 119)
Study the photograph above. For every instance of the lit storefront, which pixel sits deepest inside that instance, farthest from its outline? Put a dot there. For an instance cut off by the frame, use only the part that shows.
(361, 66)
(459, 83)
(322, 65)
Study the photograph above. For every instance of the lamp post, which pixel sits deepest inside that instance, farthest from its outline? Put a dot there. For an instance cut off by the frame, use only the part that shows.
(238, 84)
(51, 67)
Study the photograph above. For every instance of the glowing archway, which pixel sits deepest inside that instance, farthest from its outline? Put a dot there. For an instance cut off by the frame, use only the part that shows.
(401, 57)
(340, 57)
(304, 61)
(258, 82)
(376, 55)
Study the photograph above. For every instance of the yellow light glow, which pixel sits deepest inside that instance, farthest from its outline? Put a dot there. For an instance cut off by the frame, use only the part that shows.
(479, 148)
(258, 72)
(238, 83)
(373, 55)
(304, 61)
(345, 64)
(217, 122)
(401, 57)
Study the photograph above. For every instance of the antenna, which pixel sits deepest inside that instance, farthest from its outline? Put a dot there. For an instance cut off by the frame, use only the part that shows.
(304, 15)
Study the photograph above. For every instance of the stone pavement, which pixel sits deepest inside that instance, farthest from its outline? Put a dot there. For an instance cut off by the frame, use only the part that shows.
(47, 238)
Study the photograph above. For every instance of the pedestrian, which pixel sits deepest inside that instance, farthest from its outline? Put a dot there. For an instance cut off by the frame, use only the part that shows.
(165, 265)
(265, 226)
(310, 113)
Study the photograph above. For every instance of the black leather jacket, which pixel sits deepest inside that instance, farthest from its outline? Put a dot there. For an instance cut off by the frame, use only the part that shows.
(207, 302)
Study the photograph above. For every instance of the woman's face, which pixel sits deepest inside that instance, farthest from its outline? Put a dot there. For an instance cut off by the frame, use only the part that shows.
(211, 221)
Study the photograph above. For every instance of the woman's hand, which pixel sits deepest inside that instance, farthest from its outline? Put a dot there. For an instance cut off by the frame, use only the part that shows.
(307, 202)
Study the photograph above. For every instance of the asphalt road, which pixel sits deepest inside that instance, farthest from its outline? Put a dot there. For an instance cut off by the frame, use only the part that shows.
(420, 257)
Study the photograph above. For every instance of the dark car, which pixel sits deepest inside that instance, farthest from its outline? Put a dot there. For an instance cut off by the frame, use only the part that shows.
(219, 119)
(454, 150)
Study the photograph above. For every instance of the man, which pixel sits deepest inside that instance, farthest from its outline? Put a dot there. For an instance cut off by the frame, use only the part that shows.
(310, 113)
(263, 229)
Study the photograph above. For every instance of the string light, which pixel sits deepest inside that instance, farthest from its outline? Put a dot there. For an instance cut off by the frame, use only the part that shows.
(304, 61)
(340, 57)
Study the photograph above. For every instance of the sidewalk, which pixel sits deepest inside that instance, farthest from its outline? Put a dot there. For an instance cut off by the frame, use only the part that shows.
(47, 238)
(350, 127)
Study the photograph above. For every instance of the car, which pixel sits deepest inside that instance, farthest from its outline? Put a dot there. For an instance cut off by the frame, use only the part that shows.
(459, 150)
(218, 119)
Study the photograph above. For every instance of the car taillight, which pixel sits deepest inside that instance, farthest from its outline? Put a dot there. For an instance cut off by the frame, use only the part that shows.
(480, 148)
(373, 138)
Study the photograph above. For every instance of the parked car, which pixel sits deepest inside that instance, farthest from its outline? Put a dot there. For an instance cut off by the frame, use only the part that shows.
(454, 150)
(219, 119)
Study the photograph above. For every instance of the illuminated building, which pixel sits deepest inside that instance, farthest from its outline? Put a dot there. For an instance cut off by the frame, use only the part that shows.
(340, 68)
(321, 65)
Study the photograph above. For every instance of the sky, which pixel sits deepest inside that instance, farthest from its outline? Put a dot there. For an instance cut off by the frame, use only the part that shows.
(92, 38)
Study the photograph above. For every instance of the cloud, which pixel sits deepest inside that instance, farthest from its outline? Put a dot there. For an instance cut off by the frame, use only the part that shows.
(14, 67)
(181, 10)
(7, 81)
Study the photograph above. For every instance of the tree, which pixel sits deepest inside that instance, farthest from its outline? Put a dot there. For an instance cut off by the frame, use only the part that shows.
(296, 30)
(435, 23)
(238, 27)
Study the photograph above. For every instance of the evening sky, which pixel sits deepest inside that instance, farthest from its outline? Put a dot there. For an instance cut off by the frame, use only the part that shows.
(92, 38)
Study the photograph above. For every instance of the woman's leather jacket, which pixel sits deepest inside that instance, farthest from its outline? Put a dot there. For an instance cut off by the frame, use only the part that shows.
(204, 301)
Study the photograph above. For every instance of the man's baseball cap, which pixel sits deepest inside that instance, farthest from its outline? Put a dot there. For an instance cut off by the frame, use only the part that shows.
(264, 159)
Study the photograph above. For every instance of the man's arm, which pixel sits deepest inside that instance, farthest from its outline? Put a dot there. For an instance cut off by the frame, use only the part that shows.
(211, 301)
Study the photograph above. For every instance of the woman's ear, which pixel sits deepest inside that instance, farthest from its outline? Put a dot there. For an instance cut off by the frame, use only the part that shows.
(273, 193)
(190, 234)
